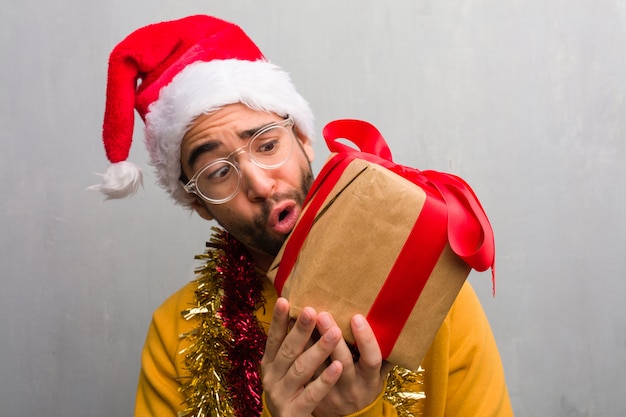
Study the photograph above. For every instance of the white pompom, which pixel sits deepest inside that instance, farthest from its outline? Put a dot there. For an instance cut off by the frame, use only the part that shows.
(121, 179)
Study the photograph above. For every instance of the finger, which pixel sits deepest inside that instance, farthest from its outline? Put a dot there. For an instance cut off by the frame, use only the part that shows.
(304, 367)
(342, 352)
(278, 329)
(370, 359)
(307, 399)
(315, 392)
(325, 321)
(295, 342)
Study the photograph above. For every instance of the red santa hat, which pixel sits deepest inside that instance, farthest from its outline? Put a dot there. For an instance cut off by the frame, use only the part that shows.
(172, 72)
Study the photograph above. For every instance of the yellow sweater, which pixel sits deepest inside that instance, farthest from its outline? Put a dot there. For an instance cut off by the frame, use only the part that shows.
(463, 377)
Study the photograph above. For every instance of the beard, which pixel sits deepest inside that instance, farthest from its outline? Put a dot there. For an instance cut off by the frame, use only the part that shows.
(255, 234)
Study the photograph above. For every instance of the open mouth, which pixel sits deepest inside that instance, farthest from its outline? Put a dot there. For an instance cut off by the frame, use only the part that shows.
(283, 217)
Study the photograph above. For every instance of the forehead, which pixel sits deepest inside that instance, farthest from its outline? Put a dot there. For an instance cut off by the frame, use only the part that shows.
(220, 132)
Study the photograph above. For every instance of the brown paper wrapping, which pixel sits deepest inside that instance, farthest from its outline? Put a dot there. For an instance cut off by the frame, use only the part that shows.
(352, 246)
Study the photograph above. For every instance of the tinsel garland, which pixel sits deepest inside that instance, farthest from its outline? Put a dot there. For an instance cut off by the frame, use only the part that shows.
(226, 349)
(405, 390)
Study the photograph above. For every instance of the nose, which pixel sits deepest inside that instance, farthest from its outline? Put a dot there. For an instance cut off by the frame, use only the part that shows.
(256, 182)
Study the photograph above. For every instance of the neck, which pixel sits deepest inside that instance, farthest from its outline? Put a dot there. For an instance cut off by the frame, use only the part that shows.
(262, 260)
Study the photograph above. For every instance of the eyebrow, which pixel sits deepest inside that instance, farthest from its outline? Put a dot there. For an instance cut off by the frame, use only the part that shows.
(202, 149)
(214, 144)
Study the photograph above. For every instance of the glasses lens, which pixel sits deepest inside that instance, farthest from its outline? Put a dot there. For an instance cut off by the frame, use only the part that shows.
(271, 147)
(218, 181)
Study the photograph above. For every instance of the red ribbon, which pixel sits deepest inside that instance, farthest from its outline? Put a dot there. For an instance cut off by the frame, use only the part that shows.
(450, 206)
(409, 274)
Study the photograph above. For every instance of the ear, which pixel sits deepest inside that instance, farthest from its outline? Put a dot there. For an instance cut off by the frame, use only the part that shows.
(201, 208)
(305, 144)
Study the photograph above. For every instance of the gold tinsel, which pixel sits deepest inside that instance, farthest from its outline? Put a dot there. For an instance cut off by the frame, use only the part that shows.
(405, 391)
(206, 357)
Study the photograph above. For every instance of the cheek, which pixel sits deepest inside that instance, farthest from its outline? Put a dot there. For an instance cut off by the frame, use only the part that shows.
(222, 213)
(299, 169)
(310, 154)
(237, 210)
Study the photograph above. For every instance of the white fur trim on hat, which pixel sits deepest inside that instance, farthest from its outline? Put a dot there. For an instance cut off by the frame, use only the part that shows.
(120, 180)
(203, 87)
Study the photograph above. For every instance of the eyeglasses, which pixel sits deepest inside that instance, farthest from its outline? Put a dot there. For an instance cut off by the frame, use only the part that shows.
(218, 181)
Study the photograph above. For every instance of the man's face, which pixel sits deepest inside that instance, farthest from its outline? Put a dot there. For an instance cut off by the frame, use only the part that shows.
(268, 203)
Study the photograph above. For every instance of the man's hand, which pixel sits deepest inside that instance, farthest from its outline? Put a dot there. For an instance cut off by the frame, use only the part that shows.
(290, 363)
(303, 377)
(362, 381)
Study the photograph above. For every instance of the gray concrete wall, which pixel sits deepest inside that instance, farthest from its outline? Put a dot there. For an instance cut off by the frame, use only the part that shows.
(524, 99)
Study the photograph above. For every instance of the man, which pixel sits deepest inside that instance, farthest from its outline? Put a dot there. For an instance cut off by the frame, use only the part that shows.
(230, 138)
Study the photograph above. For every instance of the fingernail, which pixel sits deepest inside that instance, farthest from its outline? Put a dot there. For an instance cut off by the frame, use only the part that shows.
(324, 320)
(335, 368)
(332, 334)
(359, 321)
(308, 315)
(305, 317)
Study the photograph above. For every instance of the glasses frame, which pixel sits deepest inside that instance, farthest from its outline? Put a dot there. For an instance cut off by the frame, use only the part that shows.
(231, 159)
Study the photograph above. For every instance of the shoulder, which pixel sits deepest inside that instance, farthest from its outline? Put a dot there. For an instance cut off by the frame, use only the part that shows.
(161, 363)
(179, 301)
(168, 323)
(467, 318)
(465, 328)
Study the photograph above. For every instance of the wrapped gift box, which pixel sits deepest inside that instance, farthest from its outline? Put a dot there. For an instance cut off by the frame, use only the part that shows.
(370, 241)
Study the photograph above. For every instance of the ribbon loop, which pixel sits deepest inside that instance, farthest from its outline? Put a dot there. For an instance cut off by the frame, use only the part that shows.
(469, 233)
(363, 134)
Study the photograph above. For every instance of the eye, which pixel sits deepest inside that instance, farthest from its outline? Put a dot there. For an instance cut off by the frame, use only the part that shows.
(218, 173)
(269, 142)
(267, 146)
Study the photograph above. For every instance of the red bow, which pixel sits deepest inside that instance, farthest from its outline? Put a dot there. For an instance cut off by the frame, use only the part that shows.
(469, 232)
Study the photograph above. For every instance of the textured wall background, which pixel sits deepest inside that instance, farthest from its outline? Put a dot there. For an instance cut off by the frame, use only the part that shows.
(524, 99)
